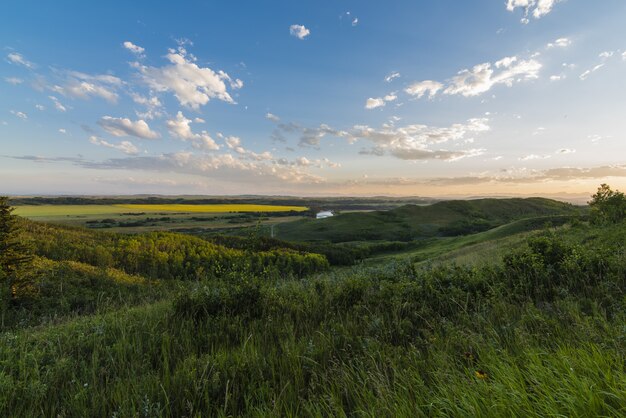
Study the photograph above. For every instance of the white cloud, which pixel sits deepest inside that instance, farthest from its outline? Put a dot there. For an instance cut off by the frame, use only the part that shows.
(135, 49)
(83, 86)
(57, 104)
(15, 58)
(560, 43)
(40, 107)
(299, 31)
(624, 56)
(191, 84)
(152, 104)
(565, 151)
(392, 76)
(13, 80)
(355, 21)
(225, 167)
(534, 157)
(557, 77)
(587, 73)
(126, 147)
(126, 127)
(199, 120)
(180, 128)
(482, 77)
(272, 117)
(62, 131)
(606, 54)
(421, 88)
(538, 8)
(373, 103)
(415, 142)
(20, 115)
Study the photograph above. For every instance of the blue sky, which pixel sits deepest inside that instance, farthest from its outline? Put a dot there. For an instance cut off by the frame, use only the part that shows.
(312, 98)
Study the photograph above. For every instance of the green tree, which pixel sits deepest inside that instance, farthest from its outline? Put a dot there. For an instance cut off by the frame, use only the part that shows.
(607, 205)
(14, 255)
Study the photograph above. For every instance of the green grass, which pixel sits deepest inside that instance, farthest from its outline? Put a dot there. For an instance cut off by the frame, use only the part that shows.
(542, 320)
(412, 222)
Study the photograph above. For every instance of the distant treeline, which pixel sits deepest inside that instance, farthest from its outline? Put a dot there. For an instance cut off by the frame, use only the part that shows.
(317, 203)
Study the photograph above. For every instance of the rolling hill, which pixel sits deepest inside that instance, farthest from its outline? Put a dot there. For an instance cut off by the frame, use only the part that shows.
(410, 222)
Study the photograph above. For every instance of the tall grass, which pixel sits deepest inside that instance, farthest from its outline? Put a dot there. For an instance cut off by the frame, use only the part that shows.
(389, 340)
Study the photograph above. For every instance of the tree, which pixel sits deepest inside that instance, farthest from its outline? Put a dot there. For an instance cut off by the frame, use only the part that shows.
(14, 255)
(607, 205)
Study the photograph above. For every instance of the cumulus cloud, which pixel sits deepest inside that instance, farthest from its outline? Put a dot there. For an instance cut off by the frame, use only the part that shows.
(126, 147)
(126, 127)
(13, 80)
(16, 58)
(62, 131)
(152, 105)
(480, 79)
(179, 127)
(536, 8)
(191, 84)
(299, 31)
(135, 49)
(560, 43)
(409, 142)
(355, 21)
(415, 142)
(423, 87)
(373, 103)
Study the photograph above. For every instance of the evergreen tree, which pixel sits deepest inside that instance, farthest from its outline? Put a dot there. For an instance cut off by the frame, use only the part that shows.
(14, 255)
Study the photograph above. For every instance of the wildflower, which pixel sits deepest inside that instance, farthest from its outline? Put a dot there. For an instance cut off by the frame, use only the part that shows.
(480, 374)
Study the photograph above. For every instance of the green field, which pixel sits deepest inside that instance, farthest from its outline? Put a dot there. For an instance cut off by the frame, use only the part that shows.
(130, 218)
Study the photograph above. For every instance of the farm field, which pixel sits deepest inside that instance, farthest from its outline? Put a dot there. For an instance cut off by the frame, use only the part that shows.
(157, 217)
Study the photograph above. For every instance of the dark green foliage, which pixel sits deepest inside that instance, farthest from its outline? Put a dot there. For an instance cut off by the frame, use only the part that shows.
(608, 206)
(15, 257)
(164, 255)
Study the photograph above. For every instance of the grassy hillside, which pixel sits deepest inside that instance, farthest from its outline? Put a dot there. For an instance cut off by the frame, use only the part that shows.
(539, 334)
(411, 222)
(168, 325)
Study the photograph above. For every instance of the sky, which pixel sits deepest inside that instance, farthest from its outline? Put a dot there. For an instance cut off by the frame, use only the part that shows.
(413, 98)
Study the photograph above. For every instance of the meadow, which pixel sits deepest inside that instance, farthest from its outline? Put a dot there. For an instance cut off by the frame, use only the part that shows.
(166, 324)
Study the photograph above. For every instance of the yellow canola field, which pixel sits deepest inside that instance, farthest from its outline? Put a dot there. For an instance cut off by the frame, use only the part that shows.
(216, 208)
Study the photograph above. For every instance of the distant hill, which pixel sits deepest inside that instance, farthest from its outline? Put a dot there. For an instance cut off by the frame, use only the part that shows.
(448, 218)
